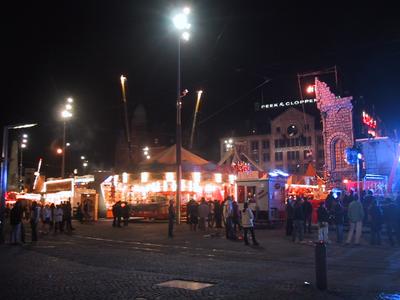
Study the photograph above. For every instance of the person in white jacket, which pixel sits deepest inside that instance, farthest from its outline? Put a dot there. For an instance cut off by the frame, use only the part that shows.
(248, 224)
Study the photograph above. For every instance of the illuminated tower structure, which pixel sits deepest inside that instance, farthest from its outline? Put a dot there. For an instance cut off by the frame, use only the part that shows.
(338, 132)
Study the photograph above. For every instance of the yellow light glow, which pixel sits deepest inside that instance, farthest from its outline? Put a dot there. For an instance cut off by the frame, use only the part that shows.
(169, 176)
(124, 177)
(144, 177)
(116, 179)
(70, 100)
(209, 188)
(165, 186)
(218, 177)
(196, 177)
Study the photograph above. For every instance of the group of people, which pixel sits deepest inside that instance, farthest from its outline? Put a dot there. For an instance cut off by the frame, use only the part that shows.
(214, 213)
(52, 217)
(342, 210)
(121, 213)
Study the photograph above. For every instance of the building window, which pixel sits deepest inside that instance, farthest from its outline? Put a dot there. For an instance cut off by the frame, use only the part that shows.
(265, 144)
(319, 140)
(266, 157)
(309, 141)
(278, 156)
(306, 154)
(282, 143)
(339, 149)
(297, 155)
(307, 127)
(254, 146)
(320, 154)
(255, 157)
(278, 130)
(276, 143)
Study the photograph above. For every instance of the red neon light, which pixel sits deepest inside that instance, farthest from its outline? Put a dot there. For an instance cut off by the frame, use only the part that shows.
(368, 120)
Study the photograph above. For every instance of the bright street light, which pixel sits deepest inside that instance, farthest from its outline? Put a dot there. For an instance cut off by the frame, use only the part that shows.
(65, 115)
(82, 157)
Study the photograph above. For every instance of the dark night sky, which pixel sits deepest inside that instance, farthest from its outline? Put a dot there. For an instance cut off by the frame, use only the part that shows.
(52, 50)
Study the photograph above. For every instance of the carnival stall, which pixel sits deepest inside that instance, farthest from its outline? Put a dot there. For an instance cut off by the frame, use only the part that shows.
(149, 190)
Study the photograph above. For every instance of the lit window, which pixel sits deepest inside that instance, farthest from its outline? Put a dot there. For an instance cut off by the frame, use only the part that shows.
(339, 152)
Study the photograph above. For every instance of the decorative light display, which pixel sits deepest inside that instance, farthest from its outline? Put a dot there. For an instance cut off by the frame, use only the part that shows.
(241, 166)
(368, 120)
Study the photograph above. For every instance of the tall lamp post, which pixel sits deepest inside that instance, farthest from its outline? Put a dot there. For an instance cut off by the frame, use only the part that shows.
(180, 21)
(22, 146)
(4, 173)
(66, 114)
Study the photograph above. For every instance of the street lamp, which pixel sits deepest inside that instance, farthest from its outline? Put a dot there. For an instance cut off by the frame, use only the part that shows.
(180, 21)
(66, 114)
(196, 110)
(4, 172)
(22, 146)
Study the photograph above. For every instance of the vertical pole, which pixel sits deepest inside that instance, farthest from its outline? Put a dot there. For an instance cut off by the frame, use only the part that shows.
(4, 175)
(128, 134)
(20, 170)
(178, 138)
(63, 154)
(194, 119)
(320, 266)
(358, 179)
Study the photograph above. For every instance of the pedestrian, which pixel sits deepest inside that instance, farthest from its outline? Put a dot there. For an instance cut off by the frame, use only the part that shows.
(298, 221)
(247, 218)
(204, 211)
(389, 218)
(236, 217)
(15, 222)
(114, 213)
(171, 218)
(68, 216)
(355, 214)
(323, 225)
(289, 217)
(79, 213)
(218, 214)
(117, 214)
(227, 212)
(53, 210)
(193, 214)
(338, 214)
(375, 214)
(58, 212)
(308, 210)
(211, 214)
(34, 220)
(47, 218)
(367, 202)
(125, 213)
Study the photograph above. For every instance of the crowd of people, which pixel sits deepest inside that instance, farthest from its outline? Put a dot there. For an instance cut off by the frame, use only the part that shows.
(216, 214)
(53, 218)
(121, 213)
(341, 210)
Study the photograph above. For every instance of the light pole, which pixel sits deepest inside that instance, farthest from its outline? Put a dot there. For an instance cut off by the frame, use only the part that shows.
(22, 146)
(65, 115)
(180, 21)
(196, 110)
(4, 173)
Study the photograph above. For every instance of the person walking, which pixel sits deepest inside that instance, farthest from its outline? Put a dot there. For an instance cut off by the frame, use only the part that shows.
(34, 220)
(125, 213)
(355, 214)
(193, 210)
(68, 216)
(211, 214)
(58, 218)
(323, 223)
(204, 211)
(375, 213)
(236, 217)
(298, 221)
(338, 214)
(217, 214)
(171, 218)
(289, 217)
(308, 210)
(47, 218)
(15, 222)
(247, 219)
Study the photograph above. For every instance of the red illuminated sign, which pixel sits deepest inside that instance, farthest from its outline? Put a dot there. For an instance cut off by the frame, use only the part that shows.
(368, 120)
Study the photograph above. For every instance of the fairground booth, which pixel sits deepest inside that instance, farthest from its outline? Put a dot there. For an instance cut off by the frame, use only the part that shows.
(149, 190)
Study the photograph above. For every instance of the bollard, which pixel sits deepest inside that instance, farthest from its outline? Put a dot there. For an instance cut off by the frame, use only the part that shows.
(320, 265)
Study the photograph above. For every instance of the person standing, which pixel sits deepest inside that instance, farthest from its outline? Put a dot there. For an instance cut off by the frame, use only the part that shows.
(34, 220)
(308, 210)
(68, 216)
(355, 214)
(193, 214)
(227, 215)
(15, 222)
(211, 214)
(79, 213)
(289, 217)
(204, 211)
(323, 225)
(338, 213)
(171, 218)
(58, 212)
(248, 224)
(298, 221)
(125, 213)
(235, 217)
(375, 213)
(217, 214)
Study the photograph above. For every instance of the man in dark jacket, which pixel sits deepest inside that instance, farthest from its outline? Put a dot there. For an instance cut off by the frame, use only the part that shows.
(338, 214)
(298, 220)
(323, 225)
(289, 217)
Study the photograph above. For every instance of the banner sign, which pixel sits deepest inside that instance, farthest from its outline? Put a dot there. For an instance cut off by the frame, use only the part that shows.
(288, 103)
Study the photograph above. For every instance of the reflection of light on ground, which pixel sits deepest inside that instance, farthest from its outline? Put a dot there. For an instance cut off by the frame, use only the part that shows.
(384, 296)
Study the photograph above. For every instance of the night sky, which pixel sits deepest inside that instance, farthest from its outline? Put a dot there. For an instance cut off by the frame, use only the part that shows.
(53, 50)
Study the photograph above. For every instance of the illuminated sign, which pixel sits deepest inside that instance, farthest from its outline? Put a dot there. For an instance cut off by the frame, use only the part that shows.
(368, 120)
(288, 103)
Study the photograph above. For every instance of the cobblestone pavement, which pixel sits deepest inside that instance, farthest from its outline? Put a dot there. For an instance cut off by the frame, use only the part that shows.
(98, 261)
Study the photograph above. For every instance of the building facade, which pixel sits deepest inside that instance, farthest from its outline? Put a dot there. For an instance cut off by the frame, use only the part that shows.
(293, 143)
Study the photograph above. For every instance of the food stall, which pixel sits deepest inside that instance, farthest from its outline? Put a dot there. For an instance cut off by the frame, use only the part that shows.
(264, 193)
